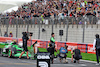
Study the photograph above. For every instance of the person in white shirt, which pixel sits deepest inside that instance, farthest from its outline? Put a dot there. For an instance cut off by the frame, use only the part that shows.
(83, 4)
(96, 45)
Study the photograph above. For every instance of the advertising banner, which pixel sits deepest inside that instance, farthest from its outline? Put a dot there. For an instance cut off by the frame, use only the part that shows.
(86, 48)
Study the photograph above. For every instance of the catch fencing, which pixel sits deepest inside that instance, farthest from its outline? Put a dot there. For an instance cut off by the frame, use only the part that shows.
(50, 22)
(86, 48)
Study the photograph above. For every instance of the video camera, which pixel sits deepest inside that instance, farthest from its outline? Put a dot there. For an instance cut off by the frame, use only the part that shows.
(27, 33)
(30, 34)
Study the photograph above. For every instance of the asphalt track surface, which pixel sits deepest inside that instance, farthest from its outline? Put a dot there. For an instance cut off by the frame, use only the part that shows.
(15, 62)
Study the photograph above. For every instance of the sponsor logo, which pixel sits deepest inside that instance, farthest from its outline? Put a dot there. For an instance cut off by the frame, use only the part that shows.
(43, 64)
(43, 57)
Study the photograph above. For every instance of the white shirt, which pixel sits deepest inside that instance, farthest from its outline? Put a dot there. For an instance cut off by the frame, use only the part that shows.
(94, 43)
(64, 4)
(60, 15)
(83, 4)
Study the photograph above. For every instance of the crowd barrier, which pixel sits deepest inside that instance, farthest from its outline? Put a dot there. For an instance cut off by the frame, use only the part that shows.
(86, 48)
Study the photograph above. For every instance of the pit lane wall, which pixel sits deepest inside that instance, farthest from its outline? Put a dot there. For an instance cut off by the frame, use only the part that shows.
(86, 48)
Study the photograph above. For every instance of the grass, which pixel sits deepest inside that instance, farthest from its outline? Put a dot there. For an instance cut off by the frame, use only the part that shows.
(85, 56)
(2, 46)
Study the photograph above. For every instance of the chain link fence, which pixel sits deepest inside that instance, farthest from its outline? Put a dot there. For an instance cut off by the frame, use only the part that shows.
(28, 24)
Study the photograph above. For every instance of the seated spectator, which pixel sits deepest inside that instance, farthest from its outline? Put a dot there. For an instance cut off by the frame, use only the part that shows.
(62, 54)
(76, 54)
(10, 35)
(5, 35)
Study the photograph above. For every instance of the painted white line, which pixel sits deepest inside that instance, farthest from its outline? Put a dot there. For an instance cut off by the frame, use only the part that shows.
(55, 59)
(63, 64)
(28, 62)
(82, 65)
(72, 65)
(85, 61)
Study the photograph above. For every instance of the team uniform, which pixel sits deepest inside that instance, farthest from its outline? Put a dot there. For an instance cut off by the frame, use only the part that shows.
(25, 43)
(96, 45)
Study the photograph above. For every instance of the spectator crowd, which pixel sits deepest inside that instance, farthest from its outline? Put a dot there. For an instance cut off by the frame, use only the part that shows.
(57, 8)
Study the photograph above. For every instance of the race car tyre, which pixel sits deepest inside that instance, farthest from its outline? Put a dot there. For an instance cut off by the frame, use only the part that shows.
(1, 50)
(9, 55)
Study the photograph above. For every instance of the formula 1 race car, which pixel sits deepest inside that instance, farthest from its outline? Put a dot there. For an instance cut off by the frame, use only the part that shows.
(14, 50)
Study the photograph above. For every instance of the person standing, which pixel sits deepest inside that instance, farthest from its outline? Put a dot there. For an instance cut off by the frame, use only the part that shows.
(96, 45)
(25, 49)
(52, 39)
(52, 44)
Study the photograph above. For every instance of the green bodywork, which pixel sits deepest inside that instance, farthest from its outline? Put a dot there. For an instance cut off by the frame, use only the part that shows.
(18, 50)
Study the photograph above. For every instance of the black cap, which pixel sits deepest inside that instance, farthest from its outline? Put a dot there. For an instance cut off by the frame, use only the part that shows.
(52, 33)
(97, 35)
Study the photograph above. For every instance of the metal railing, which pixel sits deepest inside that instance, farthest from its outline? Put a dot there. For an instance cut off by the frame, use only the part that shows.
(84, 21)
(49, 20)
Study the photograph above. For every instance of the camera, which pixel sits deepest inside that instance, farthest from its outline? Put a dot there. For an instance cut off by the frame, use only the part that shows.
(31, 34)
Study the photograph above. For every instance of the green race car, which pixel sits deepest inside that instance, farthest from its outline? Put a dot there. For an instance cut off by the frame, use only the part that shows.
(13, 50)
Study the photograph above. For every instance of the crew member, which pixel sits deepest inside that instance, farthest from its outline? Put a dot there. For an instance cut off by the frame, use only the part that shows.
(52, 45)
(52, 40)
(96, 45)
(12, 43)
(25, 49)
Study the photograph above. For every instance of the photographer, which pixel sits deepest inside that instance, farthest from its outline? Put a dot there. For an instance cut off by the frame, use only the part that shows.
(25, 39)
(76, 54)
(51, 51)
(62, 53)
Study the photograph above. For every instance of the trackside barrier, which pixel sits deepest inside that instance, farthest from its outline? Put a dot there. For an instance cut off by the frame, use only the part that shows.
(86, 48)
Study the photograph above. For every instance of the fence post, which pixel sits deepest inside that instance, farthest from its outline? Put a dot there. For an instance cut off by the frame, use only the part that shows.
(0, 27)
(7, 24)
(28, 20)
(17, 27)
(84, 25)
(67, 30)
(39, 29)
(52, 25)
(83, 30)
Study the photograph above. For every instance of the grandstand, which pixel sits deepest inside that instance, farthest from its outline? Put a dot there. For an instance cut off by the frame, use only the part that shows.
(55, 8)
(56, 12)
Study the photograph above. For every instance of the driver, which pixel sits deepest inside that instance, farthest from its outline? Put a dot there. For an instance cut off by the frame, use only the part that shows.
(12, 43)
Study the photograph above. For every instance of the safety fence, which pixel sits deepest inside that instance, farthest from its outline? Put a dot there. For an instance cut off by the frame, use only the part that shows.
(50, 20)
(35, 24)
(86, 48)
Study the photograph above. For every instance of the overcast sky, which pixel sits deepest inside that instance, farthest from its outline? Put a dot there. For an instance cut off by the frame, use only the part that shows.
(5, 5)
